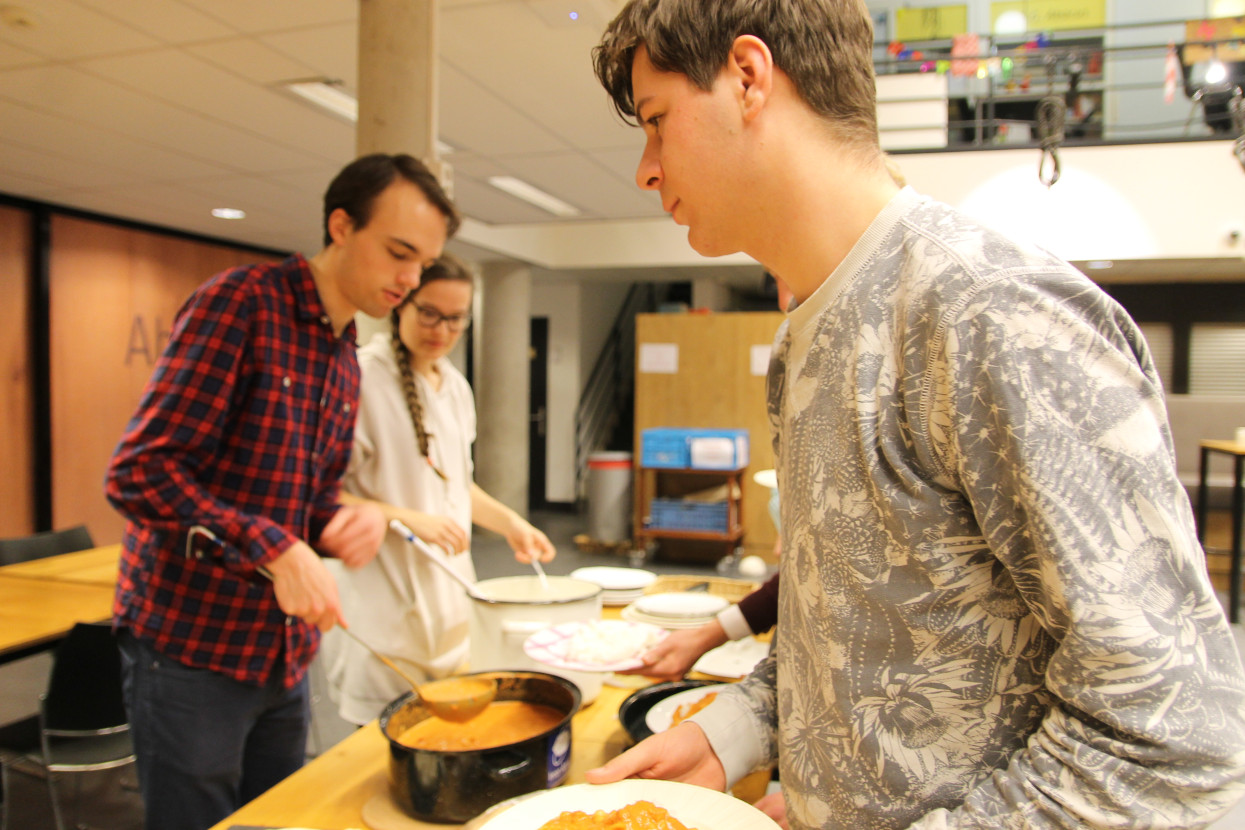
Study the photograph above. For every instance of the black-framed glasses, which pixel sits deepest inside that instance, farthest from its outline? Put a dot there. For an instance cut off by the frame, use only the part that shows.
(430, 318)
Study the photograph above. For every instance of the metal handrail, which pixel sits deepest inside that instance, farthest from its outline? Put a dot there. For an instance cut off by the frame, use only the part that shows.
(609, 384)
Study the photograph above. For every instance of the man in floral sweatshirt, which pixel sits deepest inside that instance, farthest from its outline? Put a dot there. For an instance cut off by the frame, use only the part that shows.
(993, 611)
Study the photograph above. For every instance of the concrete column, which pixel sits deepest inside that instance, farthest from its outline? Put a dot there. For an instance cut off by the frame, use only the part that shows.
(398, 94)
(502, 347)
(398, 80)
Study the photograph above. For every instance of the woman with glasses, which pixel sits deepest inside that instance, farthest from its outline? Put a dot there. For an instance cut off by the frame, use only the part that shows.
(412, 457)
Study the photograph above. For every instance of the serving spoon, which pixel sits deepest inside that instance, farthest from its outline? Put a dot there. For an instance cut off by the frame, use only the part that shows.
(456, 699)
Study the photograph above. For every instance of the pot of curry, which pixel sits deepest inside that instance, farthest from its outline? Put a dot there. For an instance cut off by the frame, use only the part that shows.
(451, 772)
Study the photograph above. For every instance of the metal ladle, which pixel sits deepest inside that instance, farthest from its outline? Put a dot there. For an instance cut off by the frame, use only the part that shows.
(456, 699)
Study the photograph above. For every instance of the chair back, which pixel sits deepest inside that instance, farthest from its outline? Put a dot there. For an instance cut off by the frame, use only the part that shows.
(48, 543)
(84, 687)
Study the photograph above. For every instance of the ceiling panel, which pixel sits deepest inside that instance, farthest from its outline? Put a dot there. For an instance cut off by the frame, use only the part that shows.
(66, 30)
(182, 81)
(254, 16)
(474, 119)
(331, 51)
(253, 60)
(577, 179)
(167, 20)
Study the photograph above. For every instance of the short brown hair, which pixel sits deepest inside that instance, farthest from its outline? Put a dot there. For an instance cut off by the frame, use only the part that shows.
(356, 187)
(824, 46)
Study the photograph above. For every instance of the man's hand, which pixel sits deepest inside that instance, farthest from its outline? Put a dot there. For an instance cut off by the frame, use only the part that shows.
(304, 587)
(774, 806)
(354, 534)
(442, 531)
(677, 652)
(528, 543)
(681, 753)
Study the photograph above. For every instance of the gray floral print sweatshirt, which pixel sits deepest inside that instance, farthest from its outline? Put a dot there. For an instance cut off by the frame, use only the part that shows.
(994, 612)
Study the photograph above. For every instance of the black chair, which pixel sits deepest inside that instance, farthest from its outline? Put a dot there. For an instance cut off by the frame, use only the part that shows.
(82, 720)
(48, 543)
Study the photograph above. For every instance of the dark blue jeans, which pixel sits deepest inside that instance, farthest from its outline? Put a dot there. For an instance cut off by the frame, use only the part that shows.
(207, 744)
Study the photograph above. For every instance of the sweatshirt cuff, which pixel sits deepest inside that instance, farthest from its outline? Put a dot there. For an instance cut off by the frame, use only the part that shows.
(734, 734)
(734, 623)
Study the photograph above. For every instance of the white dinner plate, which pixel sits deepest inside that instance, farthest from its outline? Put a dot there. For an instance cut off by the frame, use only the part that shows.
(681, 604)
(633, 614)
(735, 659)
(698, 807)
(661, 715)
(616, 579)
(552, 645)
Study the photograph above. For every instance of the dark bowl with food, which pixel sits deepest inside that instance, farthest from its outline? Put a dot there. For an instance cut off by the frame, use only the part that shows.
(633, 710)
(451, 773)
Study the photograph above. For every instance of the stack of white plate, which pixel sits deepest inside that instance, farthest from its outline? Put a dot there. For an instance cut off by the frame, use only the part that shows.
(676, 609)
(619, 586)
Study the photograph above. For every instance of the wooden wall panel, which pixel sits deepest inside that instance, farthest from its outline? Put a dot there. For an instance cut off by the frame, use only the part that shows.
(114, 294)
(16, 448)
(714, 387)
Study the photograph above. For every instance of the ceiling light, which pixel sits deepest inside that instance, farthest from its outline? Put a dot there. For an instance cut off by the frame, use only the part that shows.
(228, 213)
(533, 195)
(1216, 73)
(329, 95)
(1099, 264)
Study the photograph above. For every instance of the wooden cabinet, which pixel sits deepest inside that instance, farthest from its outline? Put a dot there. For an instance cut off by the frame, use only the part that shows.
(717, 381)
(702, 521)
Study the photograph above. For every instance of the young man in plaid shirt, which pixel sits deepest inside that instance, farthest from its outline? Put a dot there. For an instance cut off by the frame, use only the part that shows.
(228, 475)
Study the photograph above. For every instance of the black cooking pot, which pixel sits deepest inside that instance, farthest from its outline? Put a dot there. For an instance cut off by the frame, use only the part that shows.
(632, 712)
(456, 786)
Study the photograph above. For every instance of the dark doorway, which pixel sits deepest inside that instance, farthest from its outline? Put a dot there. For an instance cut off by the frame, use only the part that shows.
(538, 413)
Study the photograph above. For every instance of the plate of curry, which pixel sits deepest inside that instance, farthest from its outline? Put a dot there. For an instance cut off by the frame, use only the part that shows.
(633, 803)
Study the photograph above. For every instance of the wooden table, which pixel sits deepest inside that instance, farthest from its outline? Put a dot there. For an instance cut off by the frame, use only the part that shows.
(1237, 451)
(37, 613)
(331, 792)
(97, 566)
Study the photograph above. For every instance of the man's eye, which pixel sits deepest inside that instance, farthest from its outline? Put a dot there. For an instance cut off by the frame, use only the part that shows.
(399, 255)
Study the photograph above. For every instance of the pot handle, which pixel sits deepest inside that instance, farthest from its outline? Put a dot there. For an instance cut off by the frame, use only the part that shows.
(508, 765)
(523, 627)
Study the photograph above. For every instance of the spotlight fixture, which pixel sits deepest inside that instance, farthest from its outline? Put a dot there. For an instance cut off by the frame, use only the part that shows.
(228, 213)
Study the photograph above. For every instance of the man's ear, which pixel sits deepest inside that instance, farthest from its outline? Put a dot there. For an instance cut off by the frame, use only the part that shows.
(339, 223)
(751, 65)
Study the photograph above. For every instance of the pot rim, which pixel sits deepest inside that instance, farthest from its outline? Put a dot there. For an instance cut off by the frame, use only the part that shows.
(400, 702)
(595, 591)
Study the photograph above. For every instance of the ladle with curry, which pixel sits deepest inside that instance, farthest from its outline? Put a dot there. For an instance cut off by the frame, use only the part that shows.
(456, 699)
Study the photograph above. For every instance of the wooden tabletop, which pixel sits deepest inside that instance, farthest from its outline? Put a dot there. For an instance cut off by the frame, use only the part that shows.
(97, 566)
(1225, 445)
(38, 612)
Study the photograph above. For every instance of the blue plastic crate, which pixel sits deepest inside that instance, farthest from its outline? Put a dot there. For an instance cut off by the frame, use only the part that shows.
(672, 448)
(680, 514)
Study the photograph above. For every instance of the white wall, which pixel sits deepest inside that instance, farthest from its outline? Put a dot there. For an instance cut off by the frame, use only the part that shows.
(559, 302)
(1113, 203)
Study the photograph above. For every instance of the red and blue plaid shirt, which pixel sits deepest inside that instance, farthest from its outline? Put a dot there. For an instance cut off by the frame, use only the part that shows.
(243, 434)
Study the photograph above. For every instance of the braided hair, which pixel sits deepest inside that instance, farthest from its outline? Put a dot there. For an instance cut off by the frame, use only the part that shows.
(447, 267)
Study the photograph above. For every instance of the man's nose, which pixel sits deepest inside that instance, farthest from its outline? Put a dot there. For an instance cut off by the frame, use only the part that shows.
(648, 175)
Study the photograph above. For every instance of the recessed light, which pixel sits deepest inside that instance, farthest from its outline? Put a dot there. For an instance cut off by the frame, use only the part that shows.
(1099, 264)
(533, 195)
(228, 213)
